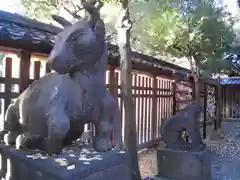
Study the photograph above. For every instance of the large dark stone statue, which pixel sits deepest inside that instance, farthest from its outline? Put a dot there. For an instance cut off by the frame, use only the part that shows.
(186, 120)
(52, 112)
(180, 159)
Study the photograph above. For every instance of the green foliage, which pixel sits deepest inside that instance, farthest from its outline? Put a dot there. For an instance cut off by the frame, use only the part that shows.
(40, 9)
(162, 26)
(179, 28)
(193, 29)
(43, 9)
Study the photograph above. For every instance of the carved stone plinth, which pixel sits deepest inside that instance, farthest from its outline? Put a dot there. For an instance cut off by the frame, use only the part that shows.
(73, 164)
(184, 165)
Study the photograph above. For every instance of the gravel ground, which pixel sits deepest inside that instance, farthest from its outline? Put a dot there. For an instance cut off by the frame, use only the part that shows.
(225, 159)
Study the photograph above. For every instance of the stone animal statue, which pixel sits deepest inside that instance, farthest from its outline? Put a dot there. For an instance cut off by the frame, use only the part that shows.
(186, 120)
(52, 111)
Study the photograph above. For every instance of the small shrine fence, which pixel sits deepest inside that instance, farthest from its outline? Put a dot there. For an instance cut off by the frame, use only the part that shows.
(156, 98)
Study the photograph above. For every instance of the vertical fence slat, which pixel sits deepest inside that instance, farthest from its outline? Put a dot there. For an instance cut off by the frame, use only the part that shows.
(47, 68)
(8, 76)
(205, 112)
(164, 100)
(161, 101)
(36, 69)
(148, 118)
(154, 108)
(215, 119)
(24, 70)
(141, 108)
(113, 89)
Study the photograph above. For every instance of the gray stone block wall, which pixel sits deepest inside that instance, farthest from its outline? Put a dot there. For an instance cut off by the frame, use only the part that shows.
(74, 163)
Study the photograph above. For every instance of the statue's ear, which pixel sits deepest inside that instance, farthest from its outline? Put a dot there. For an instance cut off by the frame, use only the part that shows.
(94, 10)
(61, 20)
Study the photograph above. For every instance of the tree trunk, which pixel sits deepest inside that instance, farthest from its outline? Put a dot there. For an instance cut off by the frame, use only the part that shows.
(130, 141)
(196, 77)
(197, 83)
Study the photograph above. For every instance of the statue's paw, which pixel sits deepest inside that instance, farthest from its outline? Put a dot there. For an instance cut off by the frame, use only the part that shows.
(102, 144)
(118, 146)
(203, 146)
(28, 141)
(10, 138)
(20, 141)
(2, 134)
(116, 149)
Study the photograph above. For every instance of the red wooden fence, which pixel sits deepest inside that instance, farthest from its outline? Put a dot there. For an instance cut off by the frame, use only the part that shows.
(153, 95)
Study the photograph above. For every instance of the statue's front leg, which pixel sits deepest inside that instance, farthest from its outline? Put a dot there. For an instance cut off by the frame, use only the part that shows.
(102, 140)
(58, 127)
(105, 125)
(195, 135)
(75, 132)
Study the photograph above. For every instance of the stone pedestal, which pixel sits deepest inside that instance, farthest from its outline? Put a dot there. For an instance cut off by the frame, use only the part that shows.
(73, 164)
(184, 165)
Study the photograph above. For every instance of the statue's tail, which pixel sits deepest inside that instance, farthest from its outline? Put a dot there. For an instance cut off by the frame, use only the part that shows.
(10, 122)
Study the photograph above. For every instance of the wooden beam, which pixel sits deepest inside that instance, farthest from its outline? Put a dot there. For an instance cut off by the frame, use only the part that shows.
(41, 56)
(9, 50)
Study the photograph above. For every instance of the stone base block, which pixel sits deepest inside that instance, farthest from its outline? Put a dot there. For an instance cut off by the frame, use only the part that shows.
(184, 165)
(74, 163)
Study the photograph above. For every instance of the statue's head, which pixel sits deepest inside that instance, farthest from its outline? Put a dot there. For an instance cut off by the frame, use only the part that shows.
(79, 46)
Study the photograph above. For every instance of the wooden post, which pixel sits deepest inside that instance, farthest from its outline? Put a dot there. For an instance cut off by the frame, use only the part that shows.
(47, 69)
(130, 140)
(218, 120)
(191, 79)
(205, 112)
(8, 85)
(154, 110)
(113, 81)
(217, 109)
(24, 70)
(174, 105)
(7, 88)
(113, 90)
(36, 69)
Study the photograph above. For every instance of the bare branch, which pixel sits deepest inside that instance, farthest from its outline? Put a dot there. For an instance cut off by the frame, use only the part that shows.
(111, 36)
(74, 14)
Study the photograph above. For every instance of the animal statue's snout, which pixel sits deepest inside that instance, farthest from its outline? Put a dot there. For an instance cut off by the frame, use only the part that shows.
(57, 63)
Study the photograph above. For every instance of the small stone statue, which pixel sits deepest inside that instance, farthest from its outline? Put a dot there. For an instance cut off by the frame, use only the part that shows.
(187, 120)
(52, 111)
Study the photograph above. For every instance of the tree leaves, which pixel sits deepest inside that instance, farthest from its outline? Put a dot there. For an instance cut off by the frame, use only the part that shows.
(164, 27)
(192, 28)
